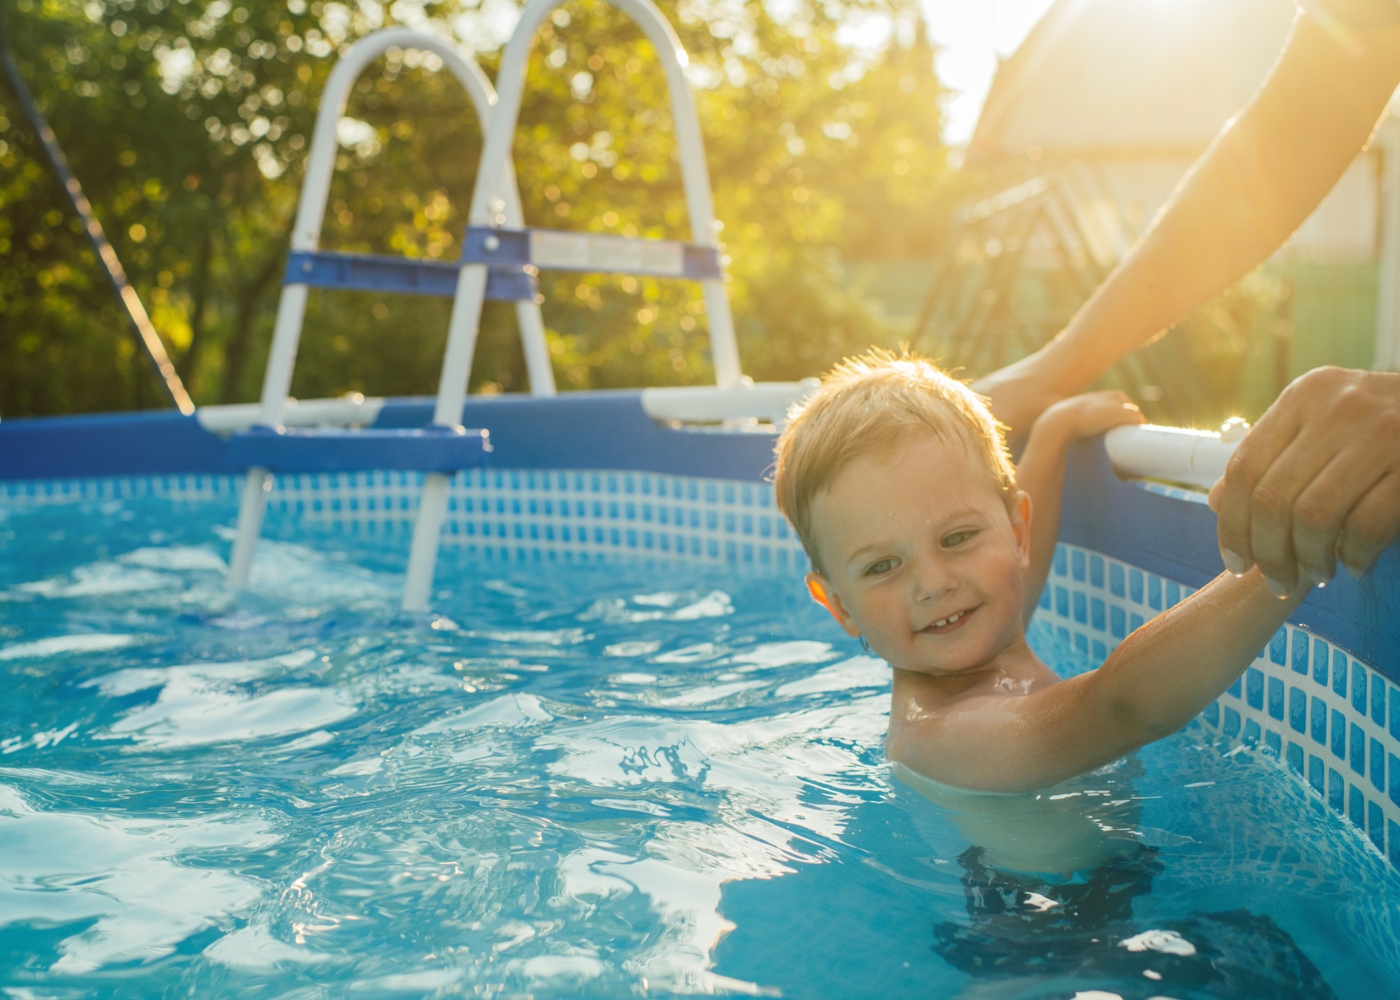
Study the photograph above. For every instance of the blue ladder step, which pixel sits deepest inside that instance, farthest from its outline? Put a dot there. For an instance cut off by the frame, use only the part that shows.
(366, 272)
(423, 449)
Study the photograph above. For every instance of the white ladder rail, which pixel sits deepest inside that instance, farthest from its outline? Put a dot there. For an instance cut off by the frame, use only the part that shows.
(485, 211)
(306, 232)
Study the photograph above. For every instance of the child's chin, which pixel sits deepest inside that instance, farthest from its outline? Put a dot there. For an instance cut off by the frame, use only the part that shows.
(944, 668)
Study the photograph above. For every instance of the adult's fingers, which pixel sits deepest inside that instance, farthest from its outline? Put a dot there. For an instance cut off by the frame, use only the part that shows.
(1276, 494)
(1253, 458)
(1372, 525)
(1324, 505)
(1339, 427)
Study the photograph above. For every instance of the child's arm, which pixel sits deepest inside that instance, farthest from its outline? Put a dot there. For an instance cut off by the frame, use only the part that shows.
(1042, 470)
(1152, 685)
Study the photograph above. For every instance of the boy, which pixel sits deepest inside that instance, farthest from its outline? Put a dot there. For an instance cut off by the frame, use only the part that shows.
(898, 482)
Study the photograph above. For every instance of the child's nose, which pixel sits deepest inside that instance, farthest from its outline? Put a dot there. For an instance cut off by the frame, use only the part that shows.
(932, 579)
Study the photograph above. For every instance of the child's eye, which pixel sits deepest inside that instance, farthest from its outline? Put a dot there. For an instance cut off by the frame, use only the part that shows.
(956, 538)
(879, 568)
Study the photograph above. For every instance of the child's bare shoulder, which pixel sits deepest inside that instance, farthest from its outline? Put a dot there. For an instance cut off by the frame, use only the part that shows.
(971, 735)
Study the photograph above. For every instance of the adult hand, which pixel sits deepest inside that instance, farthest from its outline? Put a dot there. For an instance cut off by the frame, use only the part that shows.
(1316, 481)
(1021, 392)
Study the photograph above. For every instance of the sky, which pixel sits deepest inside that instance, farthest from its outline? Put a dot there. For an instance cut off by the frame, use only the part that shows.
(971, 36)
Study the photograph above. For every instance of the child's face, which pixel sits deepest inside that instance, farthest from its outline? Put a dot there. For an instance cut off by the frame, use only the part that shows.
(921, 556)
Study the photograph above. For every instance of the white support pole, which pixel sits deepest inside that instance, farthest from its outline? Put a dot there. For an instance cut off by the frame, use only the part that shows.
(452, 391)
(282, 356)
(250, 519)
(276, 382)
(422, 556)
(537, 363)
(528, 318)
(461, 345)
(724, 348)
(488, 209)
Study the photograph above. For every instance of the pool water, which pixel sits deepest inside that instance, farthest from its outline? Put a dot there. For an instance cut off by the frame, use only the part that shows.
(596, 780)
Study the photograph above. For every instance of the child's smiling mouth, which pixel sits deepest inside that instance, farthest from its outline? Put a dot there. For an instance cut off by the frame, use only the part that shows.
(951, 623)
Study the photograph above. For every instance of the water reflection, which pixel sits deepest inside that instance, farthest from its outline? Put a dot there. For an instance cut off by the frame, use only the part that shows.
(601, 781)
(115, 889)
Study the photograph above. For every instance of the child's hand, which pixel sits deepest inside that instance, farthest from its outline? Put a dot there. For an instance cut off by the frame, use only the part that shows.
(1091, 413)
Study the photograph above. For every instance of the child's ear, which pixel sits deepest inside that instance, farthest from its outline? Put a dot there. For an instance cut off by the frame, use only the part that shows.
(1021, 526)
(824, 594)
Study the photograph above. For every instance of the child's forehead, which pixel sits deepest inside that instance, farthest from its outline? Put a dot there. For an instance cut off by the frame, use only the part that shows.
(935, 467)
(911, 451)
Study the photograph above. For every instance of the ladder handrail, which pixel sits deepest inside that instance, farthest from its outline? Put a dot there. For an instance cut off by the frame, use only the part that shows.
(496, 159)
(320, 166)
(306, 232)
(315, 193)
(488, 211)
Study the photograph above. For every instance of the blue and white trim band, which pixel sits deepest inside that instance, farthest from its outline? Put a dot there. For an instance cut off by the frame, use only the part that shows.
(507, 514)
(543, 515)
(1332, 720)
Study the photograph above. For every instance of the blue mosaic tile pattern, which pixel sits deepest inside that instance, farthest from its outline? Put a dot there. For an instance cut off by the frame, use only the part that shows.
(191, 487)
(1329, 718)
(508, 514)
(532, 515)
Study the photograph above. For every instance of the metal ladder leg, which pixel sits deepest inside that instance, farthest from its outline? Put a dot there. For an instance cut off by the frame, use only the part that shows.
(427, 530)
(532, 339)
(250, 519)
(276, 382)
(493, 175)
(305, 236)
(452, 391)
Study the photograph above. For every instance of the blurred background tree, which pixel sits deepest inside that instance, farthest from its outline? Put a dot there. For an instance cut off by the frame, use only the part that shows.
(187, 123)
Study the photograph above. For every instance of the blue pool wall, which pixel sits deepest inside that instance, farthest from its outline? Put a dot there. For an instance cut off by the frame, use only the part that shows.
(585, 430)
(610, 431)
(1306, 703)
(589, 476)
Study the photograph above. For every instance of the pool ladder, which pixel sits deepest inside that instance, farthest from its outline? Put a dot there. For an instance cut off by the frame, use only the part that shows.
(500, 258)
(268, 447)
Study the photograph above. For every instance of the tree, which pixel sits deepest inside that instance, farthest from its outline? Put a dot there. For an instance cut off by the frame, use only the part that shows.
(187, 123)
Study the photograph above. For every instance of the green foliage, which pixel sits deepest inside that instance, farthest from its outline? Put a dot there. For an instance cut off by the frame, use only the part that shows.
(187, 123)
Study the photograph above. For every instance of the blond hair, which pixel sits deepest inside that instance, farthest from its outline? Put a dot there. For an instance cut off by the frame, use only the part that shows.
(869, 403)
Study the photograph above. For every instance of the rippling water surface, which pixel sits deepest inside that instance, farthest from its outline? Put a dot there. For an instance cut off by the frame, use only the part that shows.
(569, 781)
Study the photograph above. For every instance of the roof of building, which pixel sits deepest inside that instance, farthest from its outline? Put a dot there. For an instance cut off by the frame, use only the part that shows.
(1130, 77)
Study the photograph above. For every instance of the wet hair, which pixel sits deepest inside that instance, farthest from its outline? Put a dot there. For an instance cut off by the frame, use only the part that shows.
(868, 404)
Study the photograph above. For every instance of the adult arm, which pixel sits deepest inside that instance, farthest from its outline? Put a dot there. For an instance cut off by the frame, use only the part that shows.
(1152, 685)
(1259, 180)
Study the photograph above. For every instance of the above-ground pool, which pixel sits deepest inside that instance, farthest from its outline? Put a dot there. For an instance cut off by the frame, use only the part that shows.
(608, 766)
(610, 748)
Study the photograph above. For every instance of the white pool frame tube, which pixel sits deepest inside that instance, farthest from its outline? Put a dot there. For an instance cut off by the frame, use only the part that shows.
(1173, 454)
(701, 404)
(486, 210)
(306, 233)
